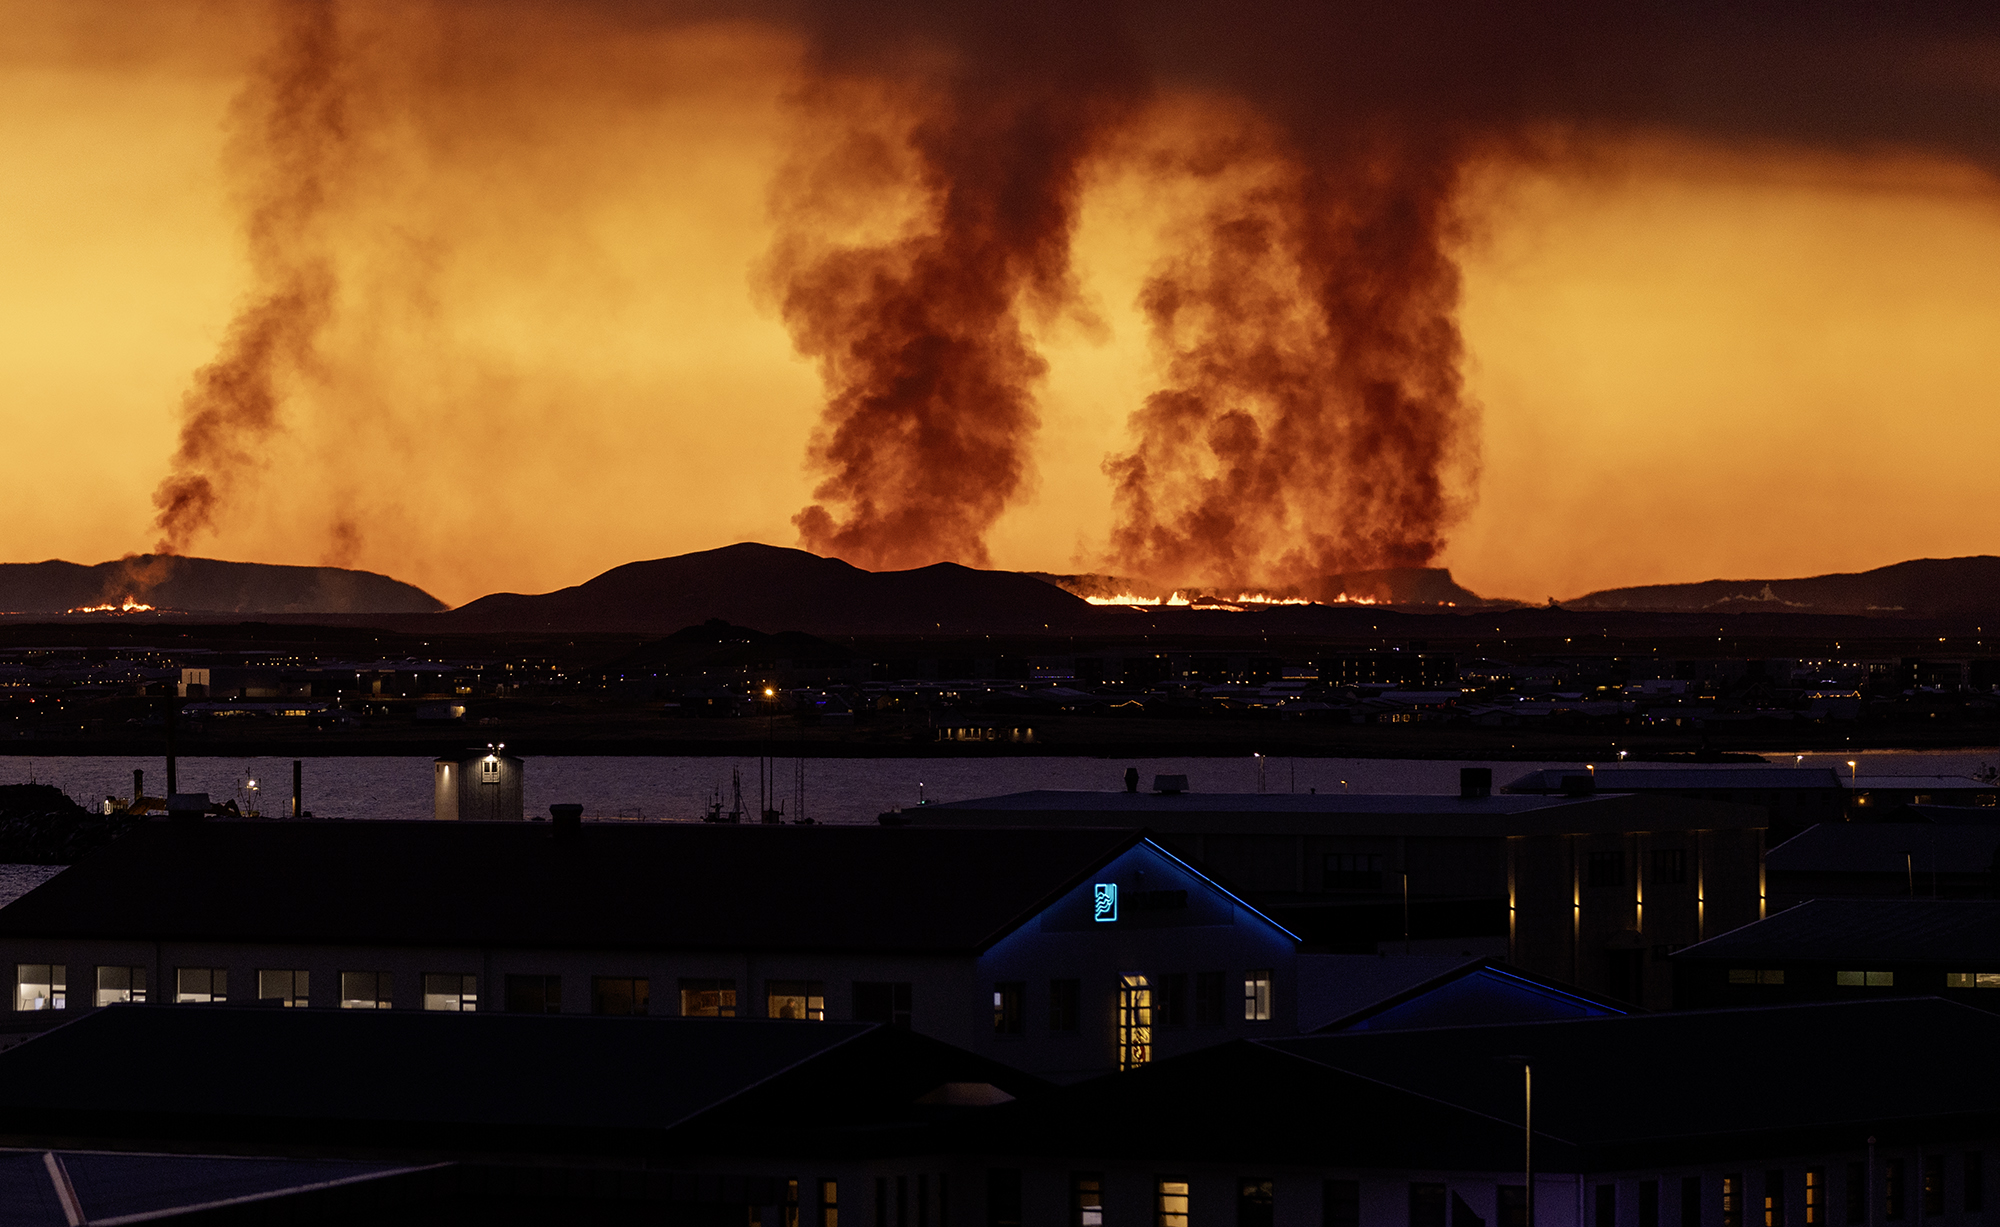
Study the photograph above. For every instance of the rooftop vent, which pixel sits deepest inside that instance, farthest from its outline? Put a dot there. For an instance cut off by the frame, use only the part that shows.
(1170, 784)
(1475, 783)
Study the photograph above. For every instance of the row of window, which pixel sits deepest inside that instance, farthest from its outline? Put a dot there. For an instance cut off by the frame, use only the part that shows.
(1867, 979)
(1432, 1204)
(1367, 870)
(1163, 1000)
(44, 986)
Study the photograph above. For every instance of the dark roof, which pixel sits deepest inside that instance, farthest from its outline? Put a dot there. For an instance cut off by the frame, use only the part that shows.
(608, 885)
(110, 1187)
(1481, 991)
(1682, 779)
(1964, 933)
(1337, 813)
(1618, 1088)
(1880, 847)
(414, 1084)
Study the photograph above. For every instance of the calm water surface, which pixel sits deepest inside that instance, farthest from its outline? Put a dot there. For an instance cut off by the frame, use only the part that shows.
(837, 789)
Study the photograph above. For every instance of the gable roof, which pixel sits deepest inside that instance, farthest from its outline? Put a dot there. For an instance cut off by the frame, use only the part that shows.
(1927, 1061)
(1880, 847)
(431, 1085)
(1964, 933)
(1474, 991)
(603, 886)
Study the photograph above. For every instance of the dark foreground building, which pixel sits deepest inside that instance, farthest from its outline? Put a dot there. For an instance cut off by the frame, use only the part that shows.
(1851, 950)
(1595, 891)
(1734, 1118)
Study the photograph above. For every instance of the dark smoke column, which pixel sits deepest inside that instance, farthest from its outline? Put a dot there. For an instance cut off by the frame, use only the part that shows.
(292, 135)
(929, 375)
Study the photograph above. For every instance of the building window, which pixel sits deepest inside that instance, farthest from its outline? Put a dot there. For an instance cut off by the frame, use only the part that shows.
(1170, 1202)
(489, 770)
(1426, 1205)
(533, 994)
(1086, 1199)
(788, 1214)
(1257, 996)
(1065, 1005)
(1649, 1203)
(708, 998)
(201, 984)
(624, 995)
(1010, 1007)
(451, 991)
(801, 999)
(118, 985)
(1135, 1022)
(364, 990)
(41, 986)
(1815, 1197)
(1972, 979)
(881, 1002)
(1208, 998)
(1892, 1189)
(1607, 1205)
(1003, 1197)
(1857, 1192)
(1170, 1002)
(1867, 979)
(1975, 1180)
(290, 987)
(1756, 975)
(1340, 1204)
(1670, 866)
(1690, 1201)
(829, 1202)
(1254, 1202)
(1732, 1200)
(1933, 1186)
(1353, 871)
(1605, 869)
(1774, 1199)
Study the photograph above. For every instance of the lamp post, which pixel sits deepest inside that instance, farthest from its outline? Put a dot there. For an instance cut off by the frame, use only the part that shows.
(1527, 1128)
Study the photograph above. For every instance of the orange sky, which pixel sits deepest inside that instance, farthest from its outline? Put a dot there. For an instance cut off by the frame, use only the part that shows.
(550, 355)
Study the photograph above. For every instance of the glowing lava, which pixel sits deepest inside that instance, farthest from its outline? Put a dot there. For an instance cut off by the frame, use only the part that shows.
(129, 606)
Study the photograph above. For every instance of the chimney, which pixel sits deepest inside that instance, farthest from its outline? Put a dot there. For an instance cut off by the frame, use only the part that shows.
(298, 789)
(1131, 779)
(138, 785)
(568, 820)
(1475, 783)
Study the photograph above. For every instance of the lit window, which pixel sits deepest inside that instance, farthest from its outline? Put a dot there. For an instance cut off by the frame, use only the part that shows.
(708, 998)
(1774, 1199)
(201, 984)
(1257, 996)
(1172, 1202)
(291, 987)
(1135, 1022)
(452, 992)
(1972, 979)
(1815, 1197)
(805, 999)
(1752, 975)
(1867, 979)
(1009, 1007)
(1732, 1201)
(41, 986)
(1086, 1195)
(117, 985)
(829, 1203)
(364, 990)
(489, 770)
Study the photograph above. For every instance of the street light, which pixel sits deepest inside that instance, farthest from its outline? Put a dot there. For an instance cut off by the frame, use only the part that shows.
(1527, 1126)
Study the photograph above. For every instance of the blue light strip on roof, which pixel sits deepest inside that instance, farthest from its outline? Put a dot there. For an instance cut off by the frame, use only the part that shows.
(1224, 889)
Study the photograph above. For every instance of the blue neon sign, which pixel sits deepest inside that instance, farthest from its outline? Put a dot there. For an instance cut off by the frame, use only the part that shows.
(1106, 909)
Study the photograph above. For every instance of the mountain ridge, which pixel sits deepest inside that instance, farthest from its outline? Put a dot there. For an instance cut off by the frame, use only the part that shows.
(180, 584)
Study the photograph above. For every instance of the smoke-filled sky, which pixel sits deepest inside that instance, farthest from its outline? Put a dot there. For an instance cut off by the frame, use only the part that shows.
(495, 296)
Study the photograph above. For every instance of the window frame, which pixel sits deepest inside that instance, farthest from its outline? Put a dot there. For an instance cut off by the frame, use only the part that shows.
(298, 992)
(1010, 1008)
(726, 1003)
(1168, 1190)
(810, 994)
(215, 978)
(1258, 994)
(134, 987)
(436, 985)
(381, 993)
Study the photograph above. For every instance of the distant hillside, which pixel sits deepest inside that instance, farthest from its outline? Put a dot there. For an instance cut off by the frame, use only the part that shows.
(205, 585)
(777, 589)
(1925, 587)
(1428, 586)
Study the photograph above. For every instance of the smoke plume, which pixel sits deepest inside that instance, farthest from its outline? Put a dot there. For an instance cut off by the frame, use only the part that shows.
(293, 130)
(930, 377)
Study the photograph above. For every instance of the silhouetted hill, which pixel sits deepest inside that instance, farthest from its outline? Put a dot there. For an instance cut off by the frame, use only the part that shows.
(1922, 588)
(205, 585)
(1431, 586)
(778, 589)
